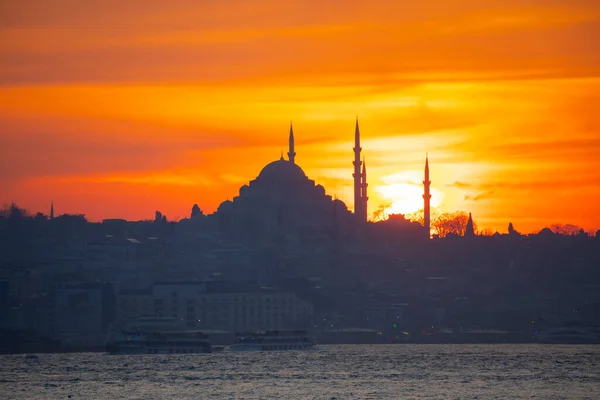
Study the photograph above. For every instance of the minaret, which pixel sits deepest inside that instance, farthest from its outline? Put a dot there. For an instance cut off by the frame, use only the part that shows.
(363, 192)
(427, 199)
(52, 210)
(291, 153)
(470, 228)
(358, 203)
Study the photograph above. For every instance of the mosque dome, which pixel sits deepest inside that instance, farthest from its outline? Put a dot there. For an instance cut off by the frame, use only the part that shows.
(282, 170)
(339, 205)
(225, 206)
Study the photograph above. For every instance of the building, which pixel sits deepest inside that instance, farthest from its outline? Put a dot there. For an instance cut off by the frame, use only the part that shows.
(134, 303)
(283, 201)
(83, 314)
(218, 305)
(4, 302)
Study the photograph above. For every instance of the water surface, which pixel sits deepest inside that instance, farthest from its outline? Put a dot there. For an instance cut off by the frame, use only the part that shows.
(335, 371)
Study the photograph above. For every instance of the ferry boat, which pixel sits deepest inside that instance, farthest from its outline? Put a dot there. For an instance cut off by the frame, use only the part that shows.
(157, 336)
(183, 342)
(273, 340)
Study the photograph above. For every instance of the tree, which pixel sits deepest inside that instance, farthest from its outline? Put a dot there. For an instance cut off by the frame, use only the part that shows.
(158, 216)
(451, 224)
(40, 217)
(14, 211)
(68, 225)
(419, 216)
(196, 211)
(381, 214)
(565, 229)
(598, 234)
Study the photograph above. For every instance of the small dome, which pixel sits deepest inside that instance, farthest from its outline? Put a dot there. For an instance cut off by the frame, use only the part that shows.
(339, 205)
(281, 170)
(244, 190)
(226, 205)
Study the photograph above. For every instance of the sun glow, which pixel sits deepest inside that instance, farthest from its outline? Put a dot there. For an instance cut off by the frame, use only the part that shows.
(406, 198)
(134, 110)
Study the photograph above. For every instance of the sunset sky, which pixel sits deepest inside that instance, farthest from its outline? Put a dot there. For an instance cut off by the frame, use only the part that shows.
(120, 108)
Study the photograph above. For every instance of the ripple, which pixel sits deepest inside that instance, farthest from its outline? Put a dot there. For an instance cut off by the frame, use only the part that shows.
(341, 372)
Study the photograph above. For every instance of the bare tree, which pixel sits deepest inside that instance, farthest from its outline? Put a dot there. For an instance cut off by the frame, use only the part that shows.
(13, 211)
(381, 214)
(417, 216)
(451, 223)
(485, 232)
(565, 229)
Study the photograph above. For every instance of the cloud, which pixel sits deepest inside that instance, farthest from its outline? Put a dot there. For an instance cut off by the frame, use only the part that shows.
(479, 196)
(459, 185)
(37, 148)
(152, 178)
(269, 40)
(593, 180)
(132, 97)
(546, 149)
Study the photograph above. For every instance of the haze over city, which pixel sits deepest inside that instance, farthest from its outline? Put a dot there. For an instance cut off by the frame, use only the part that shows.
(299, 199)
(116, 110)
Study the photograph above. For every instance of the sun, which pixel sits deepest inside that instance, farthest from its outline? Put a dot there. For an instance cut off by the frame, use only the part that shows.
(407, 198)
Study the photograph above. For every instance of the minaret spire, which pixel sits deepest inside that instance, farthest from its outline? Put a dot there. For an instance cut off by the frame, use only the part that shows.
(427, 199)
(470, 228)
(357, 135)
(291, 152)
(363, 192)
(52, 209)
(359, 210)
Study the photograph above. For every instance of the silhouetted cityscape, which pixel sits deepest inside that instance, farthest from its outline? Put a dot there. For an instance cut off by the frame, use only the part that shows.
(285, 255)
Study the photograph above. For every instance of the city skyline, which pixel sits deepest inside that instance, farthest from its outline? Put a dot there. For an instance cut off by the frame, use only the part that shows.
(116, 111)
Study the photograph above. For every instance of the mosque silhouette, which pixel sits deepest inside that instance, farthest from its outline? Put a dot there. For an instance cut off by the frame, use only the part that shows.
(283, 199)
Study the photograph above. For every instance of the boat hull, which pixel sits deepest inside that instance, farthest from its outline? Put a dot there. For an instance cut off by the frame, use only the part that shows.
(159, 343)
(143, 349)
(272, 347)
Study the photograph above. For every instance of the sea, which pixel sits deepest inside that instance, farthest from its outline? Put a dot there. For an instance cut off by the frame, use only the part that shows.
(400, 371)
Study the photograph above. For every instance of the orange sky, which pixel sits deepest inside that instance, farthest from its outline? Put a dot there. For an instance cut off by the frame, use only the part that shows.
(118, 110)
